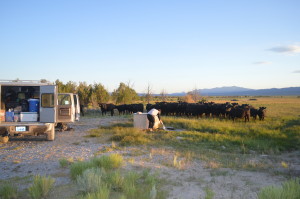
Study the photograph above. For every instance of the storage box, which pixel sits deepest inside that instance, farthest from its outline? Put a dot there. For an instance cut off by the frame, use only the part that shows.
(28, 116)
(140, 121)
(9, 116)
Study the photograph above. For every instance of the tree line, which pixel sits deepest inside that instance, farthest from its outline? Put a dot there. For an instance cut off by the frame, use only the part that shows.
(94, 94)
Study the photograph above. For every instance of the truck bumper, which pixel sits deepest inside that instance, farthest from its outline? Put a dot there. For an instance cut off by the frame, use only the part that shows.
(25, 128)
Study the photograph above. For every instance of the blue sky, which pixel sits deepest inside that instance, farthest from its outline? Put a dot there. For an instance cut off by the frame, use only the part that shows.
(170, 45)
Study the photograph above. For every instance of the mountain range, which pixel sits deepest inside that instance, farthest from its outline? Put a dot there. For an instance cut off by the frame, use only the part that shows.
(240, 91)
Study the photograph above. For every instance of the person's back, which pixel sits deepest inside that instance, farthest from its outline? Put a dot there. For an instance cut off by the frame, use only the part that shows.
(150, 115)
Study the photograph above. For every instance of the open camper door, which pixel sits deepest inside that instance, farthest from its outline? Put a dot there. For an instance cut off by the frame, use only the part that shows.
(65, 108)
(77, 107)
(47, 103)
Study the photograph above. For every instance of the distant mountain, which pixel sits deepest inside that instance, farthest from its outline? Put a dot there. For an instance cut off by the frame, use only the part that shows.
(223, 90)
(240, 91)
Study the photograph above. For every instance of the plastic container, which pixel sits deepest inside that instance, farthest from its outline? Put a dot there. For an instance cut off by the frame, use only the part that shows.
(9, 116)
(28, 117)
(34, 105)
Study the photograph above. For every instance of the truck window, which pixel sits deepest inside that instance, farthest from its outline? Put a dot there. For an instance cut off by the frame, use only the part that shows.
(47, 100)
(64, 99)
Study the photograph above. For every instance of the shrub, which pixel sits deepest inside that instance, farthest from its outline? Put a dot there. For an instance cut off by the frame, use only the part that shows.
(289, 190)
(115, 180)
(112, 161)
(209, 193)
(90, 180)
(65, 162)
(40, 187)
(103, 193)
(78, 168)
(7, 191)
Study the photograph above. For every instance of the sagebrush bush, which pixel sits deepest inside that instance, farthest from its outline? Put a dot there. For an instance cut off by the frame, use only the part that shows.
(40, 187)
(90, 180)
(115, 180)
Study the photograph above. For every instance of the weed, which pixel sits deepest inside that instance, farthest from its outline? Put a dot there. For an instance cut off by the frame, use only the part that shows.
(103, 193)
(289, 190)
(8, 191)
(209, 194)
(40, 187)
(112, 161)
(65, 162)
(78, 168)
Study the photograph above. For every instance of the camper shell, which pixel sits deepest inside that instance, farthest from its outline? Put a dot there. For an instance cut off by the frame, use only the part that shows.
(29, 107)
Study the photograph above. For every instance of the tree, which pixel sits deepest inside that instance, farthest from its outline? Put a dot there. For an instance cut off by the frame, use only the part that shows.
(70, 87)
(124, 94)
(60, 86)
(163, 95)
(195, 95)
(84, 92)
(99, 94)
(148, 95)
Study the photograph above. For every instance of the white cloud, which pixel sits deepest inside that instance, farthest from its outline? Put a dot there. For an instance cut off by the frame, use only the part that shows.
(286, 49)
(296, 71)
(262, 63)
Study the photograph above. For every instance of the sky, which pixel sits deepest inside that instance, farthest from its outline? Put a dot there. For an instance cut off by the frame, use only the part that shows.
(169, 45)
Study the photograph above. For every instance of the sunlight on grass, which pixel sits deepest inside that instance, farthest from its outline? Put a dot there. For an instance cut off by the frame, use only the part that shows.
(289, 190)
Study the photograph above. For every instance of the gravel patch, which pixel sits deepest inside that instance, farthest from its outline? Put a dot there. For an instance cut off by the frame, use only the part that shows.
(21, 157)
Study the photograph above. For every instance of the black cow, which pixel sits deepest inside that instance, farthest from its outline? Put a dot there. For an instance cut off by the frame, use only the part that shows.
(240, 112)
(134, 108)
(107, 107)
(253, 113)
(122, 109)
(262, 113)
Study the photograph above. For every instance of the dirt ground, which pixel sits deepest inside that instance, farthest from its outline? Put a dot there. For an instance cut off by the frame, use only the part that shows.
(191, 179)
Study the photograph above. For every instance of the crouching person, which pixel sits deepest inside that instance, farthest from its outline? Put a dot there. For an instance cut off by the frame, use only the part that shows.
(151, 117)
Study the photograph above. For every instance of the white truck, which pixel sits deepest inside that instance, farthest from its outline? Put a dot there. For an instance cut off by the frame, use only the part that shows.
(29, 107)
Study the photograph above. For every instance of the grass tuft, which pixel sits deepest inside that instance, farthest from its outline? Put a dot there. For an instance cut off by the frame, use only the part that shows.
(8, 191)
(289, 190)
(40, 187)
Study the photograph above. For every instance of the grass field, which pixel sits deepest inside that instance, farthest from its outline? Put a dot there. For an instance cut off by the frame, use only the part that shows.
(279, 132)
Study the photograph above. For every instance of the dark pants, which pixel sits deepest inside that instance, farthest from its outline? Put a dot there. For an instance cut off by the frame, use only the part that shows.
(151, 120)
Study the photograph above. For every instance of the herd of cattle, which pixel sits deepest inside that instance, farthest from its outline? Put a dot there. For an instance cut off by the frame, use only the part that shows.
(209, 109)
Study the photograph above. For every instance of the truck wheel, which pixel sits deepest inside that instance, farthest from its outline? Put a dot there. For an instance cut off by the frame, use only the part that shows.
(50, 135)
(64, 127)
(4, 139)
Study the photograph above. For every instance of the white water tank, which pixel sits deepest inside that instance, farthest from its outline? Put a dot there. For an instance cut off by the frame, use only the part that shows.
(140, 121)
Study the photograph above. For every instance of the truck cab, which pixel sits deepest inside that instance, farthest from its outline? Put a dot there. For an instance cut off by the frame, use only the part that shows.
(30, 107)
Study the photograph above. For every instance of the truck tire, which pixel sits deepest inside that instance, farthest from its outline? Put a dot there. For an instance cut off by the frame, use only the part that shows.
(4, 139)
(50, 135)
